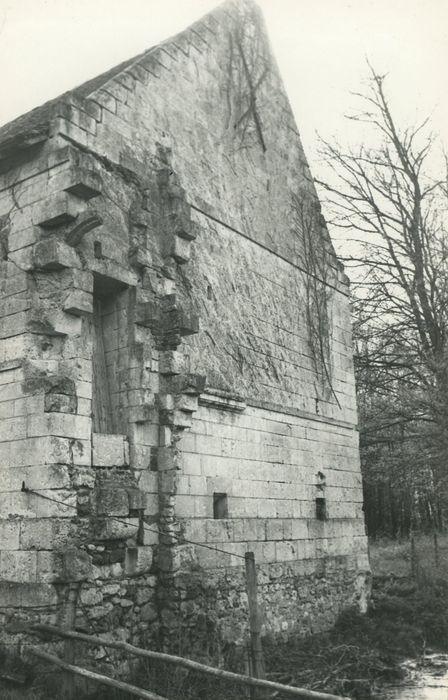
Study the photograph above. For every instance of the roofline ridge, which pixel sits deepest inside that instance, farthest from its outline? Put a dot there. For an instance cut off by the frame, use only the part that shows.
(224, 6)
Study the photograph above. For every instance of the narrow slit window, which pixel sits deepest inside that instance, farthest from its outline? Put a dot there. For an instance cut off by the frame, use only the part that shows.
(321, 508)
(220, 506)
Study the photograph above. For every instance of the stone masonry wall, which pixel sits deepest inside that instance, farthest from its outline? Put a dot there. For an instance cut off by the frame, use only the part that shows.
(76, 492)
(174, 325)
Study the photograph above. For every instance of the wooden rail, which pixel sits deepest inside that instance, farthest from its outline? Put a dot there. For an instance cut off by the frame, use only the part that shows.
(98, 677)
(185, 663)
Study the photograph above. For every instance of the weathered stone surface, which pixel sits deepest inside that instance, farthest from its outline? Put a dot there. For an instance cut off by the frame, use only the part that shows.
(76, 565)
(24, 595)
(53, 254)
(9, 534)
(78, 303)
(140, 258)
(149, 613)
(116, 529)
(160, 387)
(58, 209)
(109, 450)
(84, 183)
(112, 501)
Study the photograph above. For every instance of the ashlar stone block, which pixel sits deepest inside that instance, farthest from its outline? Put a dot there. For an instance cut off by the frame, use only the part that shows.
(9, 534)
(18, 566)
(110, 450)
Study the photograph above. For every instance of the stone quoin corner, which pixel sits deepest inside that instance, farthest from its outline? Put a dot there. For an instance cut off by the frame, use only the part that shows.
(175, 356)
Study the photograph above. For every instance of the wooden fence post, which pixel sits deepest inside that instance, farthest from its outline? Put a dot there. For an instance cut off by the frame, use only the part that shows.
(436, 548)
(256, 649)
(413, 555)
(68, 681)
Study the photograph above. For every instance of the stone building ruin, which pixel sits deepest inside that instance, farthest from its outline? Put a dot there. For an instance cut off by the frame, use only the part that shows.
(175, 355)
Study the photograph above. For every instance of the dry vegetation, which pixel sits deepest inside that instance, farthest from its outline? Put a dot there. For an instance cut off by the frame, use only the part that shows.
(409, 616)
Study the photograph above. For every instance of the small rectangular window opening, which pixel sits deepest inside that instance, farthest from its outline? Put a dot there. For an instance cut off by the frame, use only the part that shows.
(220, 507)
(321, 508)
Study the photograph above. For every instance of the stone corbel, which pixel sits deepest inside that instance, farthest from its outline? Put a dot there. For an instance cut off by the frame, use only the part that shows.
(139, 257)
(78, 303)
(58, 209)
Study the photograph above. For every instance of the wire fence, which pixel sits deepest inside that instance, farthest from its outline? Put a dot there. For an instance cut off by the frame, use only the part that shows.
(149, 528)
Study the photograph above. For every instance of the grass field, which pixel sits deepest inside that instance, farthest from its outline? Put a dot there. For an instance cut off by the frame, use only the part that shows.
(395, 558)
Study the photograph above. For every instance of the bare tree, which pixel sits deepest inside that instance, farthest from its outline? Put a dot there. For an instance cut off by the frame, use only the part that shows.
(394, 215)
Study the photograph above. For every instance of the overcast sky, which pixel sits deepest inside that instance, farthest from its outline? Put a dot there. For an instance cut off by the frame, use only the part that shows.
(49, 46)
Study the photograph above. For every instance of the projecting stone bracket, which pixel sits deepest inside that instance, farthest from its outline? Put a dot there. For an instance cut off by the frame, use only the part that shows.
(168, 320)
(56, 324)
(177, 406)
(58, 209)
(83, 183)
(53, 254)
(78, 303)
(177, 315)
